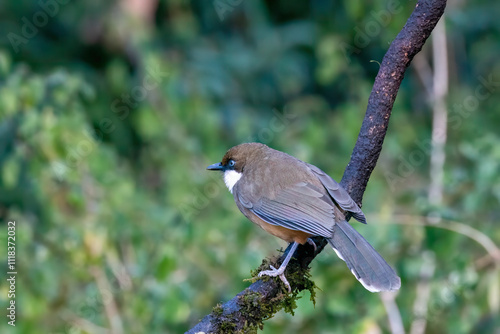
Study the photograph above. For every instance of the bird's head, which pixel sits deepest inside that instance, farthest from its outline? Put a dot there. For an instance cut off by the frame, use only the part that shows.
(238, 159)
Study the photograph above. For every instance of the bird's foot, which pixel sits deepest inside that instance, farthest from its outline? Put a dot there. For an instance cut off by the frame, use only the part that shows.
(311, 242)
(280, 272)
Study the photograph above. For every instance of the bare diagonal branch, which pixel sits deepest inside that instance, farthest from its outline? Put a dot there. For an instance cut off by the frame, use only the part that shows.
(405, 46)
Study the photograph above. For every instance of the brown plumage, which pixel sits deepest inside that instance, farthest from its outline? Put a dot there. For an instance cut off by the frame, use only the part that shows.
(294, 200)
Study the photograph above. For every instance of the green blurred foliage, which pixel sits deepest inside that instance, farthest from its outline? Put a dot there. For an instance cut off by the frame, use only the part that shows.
(110, 112)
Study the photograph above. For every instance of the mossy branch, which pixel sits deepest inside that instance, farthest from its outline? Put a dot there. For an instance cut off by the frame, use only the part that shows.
(246, 312)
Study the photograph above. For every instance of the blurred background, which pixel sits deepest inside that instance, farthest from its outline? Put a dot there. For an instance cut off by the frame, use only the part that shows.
(110, 112)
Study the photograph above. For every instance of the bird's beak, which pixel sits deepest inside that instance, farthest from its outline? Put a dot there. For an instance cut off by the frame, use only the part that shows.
(217, 166)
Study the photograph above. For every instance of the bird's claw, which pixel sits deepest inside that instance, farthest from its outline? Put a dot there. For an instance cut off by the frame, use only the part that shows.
(277, 272)
(312, 243)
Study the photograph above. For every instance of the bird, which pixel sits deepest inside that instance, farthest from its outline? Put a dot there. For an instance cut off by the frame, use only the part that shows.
(295, 201)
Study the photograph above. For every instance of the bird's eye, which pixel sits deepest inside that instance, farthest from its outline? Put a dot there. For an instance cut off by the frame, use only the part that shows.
(231, 163)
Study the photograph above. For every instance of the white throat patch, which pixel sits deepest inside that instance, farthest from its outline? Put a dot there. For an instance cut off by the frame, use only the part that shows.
(231, 177)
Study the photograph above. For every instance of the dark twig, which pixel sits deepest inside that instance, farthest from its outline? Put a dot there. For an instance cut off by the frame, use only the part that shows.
(405, 46)
(363, 160)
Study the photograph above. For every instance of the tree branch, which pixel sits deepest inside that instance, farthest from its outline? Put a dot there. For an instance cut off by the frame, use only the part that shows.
(407, 44)
(260, 300)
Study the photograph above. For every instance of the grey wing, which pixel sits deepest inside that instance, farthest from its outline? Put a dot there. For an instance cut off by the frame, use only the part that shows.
(339, 194)
(301, 207)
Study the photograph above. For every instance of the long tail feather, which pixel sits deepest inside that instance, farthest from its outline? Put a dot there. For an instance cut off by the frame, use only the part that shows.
(365, 263)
